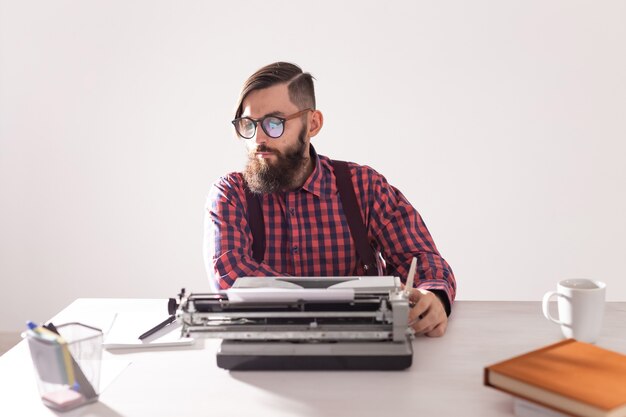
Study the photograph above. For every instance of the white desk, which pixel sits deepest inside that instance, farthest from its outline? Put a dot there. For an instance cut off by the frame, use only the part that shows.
(446, 378)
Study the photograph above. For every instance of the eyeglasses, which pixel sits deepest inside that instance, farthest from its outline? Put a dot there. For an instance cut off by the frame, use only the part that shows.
(273, 126)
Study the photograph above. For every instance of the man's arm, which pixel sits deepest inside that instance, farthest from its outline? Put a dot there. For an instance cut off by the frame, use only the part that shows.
(227, 236)
(401, 235)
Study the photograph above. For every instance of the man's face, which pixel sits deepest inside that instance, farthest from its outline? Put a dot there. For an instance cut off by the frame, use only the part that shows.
(273, 163)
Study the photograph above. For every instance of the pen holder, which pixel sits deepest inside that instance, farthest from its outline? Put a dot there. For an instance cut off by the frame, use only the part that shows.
(68, 368)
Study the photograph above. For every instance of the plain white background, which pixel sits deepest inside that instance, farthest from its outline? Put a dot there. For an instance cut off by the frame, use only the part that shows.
(503, 122)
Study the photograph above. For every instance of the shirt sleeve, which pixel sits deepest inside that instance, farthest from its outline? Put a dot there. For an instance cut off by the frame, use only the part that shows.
(401, 234)
(227, 236)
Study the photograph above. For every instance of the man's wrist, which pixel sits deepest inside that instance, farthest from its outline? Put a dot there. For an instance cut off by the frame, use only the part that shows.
(443, 297)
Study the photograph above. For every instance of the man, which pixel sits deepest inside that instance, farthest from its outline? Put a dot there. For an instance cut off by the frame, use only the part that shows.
(306, 230)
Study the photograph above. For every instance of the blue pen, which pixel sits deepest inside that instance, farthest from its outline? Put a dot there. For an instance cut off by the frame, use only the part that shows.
(36, 330)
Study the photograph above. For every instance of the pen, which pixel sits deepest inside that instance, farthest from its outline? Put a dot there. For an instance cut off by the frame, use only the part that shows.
(157, 327)
(42, 332)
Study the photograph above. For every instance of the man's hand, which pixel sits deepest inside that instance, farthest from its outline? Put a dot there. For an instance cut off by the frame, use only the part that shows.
(428, 315)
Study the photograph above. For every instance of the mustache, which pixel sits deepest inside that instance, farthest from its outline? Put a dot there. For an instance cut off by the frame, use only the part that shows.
(263, 148)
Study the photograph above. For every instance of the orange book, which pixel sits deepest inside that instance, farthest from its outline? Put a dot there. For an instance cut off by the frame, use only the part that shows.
(573, 377)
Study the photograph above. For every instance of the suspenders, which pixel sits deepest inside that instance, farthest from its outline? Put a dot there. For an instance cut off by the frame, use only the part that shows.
(257, 225)
(351, 211)
(354, 217)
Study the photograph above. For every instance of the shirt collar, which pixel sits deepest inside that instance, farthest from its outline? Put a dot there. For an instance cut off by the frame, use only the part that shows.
(317, 182)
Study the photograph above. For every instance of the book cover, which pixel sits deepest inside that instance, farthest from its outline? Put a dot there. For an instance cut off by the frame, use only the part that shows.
(570, 376)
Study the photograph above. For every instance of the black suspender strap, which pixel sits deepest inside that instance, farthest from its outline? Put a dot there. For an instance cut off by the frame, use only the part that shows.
(351, 210)
(257, 225)
(353, 216)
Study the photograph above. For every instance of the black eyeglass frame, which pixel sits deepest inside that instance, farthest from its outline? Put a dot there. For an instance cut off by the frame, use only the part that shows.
(262, 119)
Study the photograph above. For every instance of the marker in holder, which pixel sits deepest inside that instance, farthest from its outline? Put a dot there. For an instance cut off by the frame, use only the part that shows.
(67, 363)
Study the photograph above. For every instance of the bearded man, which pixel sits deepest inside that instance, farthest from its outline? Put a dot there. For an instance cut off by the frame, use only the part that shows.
(285, 214)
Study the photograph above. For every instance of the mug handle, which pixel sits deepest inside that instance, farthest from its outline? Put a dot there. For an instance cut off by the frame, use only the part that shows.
(544, 305)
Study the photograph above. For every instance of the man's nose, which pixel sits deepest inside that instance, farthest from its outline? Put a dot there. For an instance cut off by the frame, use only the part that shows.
(260, 135)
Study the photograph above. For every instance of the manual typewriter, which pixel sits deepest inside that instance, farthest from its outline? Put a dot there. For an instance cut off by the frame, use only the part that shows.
(303, 323)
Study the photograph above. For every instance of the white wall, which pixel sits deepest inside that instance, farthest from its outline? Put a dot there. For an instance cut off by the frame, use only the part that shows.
(503, 122)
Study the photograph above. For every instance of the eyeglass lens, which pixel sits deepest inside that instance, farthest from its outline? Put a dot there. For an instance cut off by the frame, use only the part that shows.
(272, 126)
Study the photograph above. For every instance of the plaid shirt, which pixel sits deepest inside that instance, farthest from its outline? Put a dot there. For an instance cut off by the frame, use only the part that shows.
(307, 234)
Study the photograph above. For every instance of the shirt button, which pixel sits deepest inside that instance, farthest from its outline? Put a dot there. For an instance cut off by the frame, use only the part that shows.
(295, 249)
(292, 211)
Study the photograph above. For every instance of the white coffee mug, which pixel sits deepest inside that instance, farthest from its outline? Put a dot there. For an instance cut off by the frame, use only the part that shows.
(580, 306)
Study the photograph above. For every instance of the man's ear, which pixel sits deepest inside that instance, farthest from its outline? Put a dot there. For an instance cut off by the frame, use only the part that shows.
(317, 121)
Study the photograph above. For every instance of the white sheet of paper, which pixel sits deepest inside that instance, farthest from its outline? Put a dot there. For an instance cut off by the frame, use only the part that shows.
(111, 368)
(264, 294)
(127, 326)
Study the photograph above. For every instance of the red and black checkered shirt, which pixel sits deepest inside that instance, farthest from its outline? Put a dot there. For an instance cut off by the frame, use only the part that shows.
(307, 234)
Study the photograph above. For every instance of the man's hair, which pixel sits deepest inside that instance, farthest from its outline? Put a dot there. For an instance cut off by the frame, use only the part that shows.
(300, 84)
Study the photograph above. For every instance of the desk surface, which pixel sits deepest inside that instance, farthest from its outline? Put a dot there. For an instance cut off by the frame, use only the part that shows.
(446, 378)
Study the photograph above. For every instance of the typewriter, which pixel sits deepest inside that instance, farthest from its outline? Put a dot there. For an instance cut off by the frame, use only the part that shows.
(303, 323)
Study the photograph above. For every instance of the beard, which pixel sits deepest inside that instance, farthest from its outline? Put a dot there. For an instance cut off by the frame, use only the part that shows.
(264, 177)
